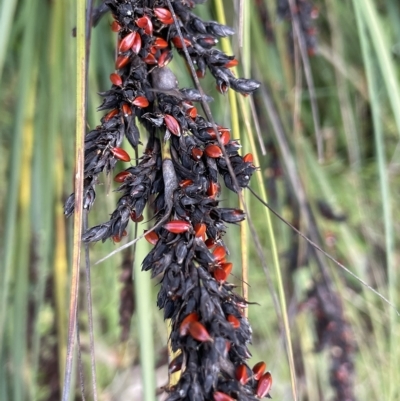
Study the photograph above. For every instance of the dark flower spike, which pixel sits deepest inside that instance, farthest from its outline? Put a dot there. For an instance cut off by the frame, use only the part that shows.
(184, 182)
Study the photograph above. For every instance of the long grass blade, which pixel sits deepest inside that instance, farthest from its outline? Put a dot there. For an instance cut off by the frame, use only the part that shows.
(80, 133)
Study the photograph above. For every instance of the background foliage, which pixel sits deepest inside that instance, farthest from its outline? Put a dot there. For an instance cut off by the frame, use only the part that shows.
(356, 92)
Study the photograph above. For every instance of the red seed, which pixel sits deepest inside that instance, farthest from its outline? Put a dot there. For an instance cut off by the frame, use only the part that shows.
(122, 176)
(146, 24)
(197, 153)
(137, 44)
(259, 369)
(121, 62)
(225, 137)
(241, 374)
(151, 237)
(116, 79)
(213, 151)
(185, 183)
(219, 396)
(126, 109)
(136, 219)
(200, 74)
(211, 132)
(199, 332)
(213, 189)
(200, 229)
(150, 59)
(140, 101)
(172, 124)
(110, 115)
(116, 238)
(231, 63)
(226, 267)
(264, 385)
(120, 154)
(177, 226)
(234, 321)
(164, 15)
(192, 112)
(160, 43)
(184, 327)
(219, 253)
(115, 26)
(220, 275)
(165, 58)
(248, 158)
(209, 243)
(178, 43)
(127, 42)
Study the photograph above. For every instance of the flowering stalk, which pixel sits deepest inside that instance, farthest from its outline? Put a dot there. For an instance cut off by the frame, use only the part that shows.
(180, 167)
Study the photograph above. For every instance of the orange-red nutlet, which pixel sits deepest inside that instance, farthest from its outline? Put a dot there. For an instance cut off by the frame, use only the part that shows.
(199, 332)
(121, 62)
(248, 158)
(146, 24)
(127, 42)
(116, 238)
(116, 79)
(241, 374)
(150, 59)
(219, 396)
(164, 15)
(227, 268)
(185, 183)
(192, 112)
(220, 275)
(137, 44)
(219, 253)
(234, 321)
(225, 137)
(213, 189)
(200, 229)
(172, 124)
(197, 153)
(136, 219)
(213, 151)
(140, 101)
(126, 109)
(122, 176)
(165, 58)
(177, 226)
(178, 43)
(121, 154)
(110, 115)
(264, 385)
(151, 237)
(160, 43)
(184, 327)
(231, 63)
(259, 369)
(115, 26)
(222, 272)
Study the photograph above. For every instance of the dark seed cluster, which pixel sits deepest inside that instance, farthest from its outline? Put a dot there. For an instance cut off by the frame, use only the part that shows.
(334, 333)
(179, 175)
(306, 13)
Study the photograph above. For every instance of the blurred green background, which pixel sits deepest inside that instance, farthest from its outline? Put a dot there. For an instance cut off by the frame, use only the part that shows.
(347, 95)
